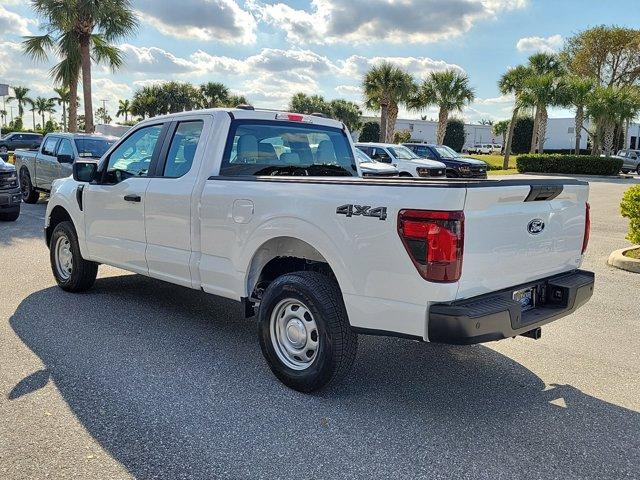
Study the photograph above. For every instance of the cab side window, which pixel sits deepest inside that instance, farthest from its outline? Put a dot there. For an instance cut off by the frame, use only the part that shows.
(49, 147)
(132, 157)
(65, 148)
(381, 155)
(183, 149)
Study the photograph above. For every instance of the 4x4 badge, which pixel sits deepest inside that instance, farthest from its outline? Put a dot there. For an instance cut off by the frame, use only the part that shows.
(366, 211)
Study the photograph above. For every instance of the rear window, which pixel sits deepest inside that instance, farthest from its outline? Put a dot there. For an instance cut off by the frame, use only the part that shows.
(92, 147)
(284, 148)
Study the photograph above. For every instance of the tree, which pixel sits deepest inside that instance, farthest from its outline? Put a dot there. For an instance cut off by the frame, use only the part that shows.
(43, 105)
(609, 106)
(577, 92)
(83, 30)
(385, 87)
(103, 115)
(214, 94)
(523, 126)
(608, 55)
(20, 96)
(454, 135)
(485, 121)
(541, 92)
(370, 132)
(33, 110)
(347, 112)
(308, 104)
(512, 83)
(401, 136)
(124, 109)
(450, 91)
(64, 95)
(160, 99)
(501, 128)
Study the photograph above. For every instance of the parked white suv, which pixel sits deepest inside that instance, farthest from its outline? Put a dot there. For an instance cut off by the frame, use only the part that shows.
(269, 209)
(408, 163)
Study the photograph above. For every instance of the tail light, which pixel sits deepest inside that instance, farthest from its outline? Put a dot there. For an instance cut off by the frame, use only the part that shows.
(434, 240)
(587, 227)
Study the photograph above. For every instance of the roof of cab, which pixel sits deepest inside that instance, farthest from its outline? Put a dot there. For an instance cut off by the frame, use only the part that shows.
(75, 136)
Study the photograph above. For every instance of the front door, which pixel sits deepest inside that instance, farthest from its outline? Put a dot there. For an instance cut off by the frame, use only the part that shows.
(114, 208)
(46, 163)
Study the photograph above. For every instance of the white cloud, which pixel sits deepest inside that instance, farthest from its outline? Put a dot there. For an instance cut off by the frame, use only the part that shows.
(351, 90)
(12, 23)
(205, 20)
(501, 100)
(368, 21)
(357, 65)
(550, 44)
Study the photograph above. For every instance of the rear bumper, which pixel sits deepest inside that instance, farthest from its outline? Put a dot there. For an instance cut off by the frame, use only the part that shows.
(496, 315)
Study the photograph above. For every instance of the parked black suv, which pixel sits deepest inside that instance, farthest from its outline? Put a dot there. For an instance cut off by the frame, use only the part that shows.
(14, 140)
(10, 195)
(458, 166)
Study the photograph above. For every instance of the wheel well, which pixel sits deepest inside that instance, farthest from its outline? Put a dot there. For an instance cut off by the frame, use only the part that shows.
(280, 256)
(58, 214)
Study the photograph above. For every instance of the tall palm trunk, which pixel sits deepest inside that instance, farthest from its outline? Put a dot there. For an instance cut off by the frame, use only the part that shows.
(578, 127)
(384, 116)
(609, 134)
(64, 116)
(443, 117)
(507, 147)
(86, 82)
(534, 134)
(542, 128)
(73, 105)
(391, 122)
(33, 113)
(42, 114)
(626, 134)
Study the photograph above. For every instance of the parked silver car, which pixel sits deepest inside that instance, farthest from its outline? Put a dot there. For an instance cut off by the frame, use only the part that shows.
(630, 159)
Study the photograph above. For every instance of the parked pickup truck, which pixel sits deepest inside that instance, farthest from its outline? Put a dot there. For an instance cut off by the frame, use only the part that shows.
(10, 197)
(457, 165)
(38, 169)
(268, 208)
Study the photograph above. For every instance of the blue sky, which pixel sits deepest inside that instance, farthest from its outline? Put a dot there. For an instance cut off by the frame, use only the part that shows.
(270, 49)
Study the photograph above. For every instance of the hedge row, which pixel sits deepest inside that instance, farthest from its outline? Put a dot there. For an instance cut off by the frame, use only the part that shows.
(630, 207)
(570, 164)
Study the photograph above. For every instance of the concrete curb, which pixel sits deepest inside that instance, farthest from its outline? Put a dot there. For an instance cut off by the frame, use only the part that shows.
(619, 260)
(579, 175)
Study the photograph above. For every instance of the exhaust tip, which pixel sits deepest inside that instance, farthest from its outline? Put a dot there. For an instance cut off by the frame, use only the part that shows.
(536, 333)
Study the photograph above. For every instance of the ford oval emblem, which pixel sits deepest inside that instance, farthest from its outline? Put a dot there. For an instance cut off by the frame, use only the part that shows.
(536, 226)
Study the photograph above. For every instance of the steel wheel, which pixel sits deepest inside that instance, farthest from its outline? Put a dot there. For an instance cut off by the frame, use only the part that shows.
(294, 334)
(63, 257)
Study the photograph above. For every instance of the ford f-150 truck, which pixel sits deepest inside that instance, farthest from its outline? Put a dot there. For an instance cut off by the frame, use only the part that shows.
(10, 198)
(268, 208)
(37, 169)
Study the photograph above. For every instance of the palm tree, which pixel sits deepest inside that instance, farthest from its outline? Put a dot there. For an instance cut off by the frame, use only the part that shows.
(512, 83)
(541, 92)
(79, 31)
(450, 91)
(20, 96)
(214, 94)
(124, 109)
(541, 64)
(64, 95)
(608, 106)
(385, 87)
(235, 100)
(501, 128)
(577, 91)
(33, 113)
(43, 105)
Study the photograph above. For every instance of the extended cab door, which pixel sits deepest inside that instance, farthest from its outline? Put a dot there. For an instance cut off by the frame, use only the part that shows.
(114, 208)
(170, 203)
(46, 163)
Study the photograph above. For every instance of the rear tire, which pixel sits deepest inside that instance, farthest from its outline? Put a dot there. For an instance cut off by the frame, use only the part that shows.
(304, 331)
(29, 194)
(10, 216)
(72, 272)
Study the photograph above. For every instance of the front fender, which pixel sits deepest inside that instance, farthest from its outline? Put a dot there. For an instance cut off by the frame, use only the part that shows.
(63, 196)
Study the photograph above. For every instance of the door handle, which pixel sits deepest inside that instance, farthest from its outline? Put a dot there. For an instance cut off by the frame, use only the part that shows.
(133, 198)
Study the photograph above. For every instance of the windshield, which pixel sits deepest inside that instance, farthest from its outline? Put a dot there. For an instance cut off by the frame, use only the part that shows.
(362, 157)
(287, 148)
(92, 147)
(446, 152)
(402, 153)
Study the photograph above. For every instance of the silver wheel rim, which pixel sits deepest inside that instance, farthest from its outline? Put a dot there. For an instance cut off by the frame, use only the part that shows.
(294, 334)
(63, 257)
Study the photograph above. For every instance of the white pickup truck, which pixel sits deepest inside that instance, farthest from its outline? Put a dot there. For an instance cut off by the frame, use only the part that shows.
(268, 208)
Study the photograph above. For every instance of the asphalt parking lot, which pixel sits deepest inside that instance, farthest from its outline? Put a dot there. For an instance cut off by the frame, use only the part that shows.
(138, 378)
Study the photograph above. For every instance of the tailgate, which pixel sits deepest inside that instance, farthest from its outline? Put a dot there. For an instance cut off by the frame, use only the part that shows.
(521, 232)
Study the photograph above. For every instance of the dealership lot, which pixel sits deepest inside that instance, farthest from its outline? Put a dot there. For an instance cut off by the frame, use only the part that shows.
(138, 378)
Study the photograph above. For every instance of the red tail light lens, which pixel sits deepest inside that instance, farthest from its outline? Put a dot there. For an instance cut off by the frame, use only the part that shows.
(434, 240)
(587, 228)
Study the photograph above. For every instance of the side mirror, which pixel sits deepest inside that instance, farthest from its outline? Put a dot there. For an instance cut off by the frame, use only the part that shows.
(85, 171)
(65, 158)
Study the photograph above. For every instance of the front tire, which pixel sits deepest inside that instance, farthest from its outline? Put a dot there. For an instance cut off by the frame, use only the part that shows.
(29, 194)
(304, 331)
(10, 216)
(72, 272)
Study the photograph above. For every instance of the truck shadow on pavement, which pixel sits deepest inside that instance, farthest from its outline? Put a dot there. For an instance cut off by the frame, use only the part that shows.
(28, 226)
(171, 382)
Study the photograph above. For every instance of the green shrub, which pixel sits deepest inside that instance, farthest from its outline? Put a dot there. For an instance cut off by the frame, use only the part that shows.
(370, 132)
(522, 132)
(401, 136)
(454, 134)
(569, 164)
(630, 207)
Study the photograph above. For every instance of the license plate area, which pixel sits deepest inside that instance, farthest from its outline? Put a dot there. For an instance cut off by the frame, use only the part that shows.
(526, 297)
